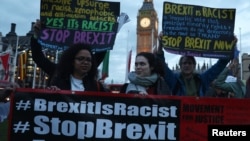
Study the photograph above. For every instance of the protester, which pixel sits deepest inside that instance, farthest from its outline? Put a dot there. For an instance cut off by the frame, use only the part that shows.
(229, 81)
(216, 92)
(187, 82)
(42, 61)
(248, 85)
(147, 77)
(76, 70)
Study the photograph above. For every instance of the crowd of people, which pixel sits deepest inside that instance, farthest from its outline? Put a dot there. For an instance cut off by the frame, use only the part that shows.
(77, 70)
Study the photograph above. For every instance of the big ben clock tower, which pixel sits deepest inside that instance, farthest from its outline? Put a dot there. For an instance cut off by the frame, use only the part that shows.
(147, 27)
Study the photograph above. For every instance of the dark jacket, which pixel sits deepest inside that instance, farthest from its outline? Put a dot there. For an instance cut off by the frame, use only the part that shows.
(202, 80)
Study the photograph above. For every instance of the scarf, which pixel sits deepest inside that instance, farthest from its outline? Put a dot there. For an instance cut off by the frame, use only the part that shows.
(139, 84)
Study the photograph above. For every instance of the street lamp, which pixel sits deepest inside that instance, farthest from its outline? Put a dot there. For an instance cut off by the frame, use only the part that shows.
(15, 58)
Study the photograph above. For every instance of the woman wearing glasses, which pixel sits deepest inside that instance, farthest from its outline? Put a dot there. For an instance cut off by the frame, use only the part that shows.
(44, 63)
(76, 70)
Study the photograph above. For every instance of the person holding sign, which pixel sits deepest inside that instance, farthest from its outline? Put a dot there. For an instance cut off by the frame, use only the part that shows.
(229, 82)
(43, 62)
(76, 70)
(187, 82)
(248, 85)
(147, 77)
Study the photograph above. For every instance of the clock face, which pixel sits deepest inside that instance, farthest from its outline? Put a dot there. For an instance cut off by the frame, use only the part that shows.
(145, 22)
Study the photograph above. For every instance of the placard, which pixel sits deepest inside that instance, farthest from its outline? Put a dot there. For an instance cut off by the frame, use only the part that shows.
(198, 31)
(69, 22)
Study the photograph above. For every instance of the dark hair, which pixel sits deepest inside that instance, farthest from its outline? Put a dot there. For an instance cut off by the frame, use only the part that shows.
(153, 62)
(65, 64)
(189, 58)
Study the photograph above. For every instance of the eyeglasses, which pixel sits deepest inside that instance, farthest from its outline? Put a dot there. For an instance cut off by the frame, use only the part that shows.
(82, 59)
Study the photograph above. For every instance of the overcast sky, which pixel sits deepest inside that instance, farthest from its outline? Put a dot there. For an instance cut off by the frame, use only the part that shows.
(23, 12)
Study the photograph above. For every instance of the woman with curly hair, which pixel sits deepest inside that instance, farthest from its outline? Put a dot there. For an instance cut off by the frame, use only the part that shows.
(76, 70)
(42, 61)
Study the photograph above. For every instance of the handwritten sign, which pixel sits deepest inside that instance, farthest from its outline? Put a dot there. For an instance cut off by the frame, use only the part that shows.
(83, 21)
(198, 31)
(47, 115)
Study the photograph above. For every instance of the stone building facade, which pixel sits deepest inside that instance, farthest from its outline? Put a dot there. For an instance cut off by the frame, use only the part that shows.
(22, 68)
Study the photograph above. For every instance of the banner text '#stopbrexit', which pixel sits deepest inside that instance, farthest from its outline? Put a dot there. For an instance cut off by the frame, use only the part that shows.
(105, 128)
